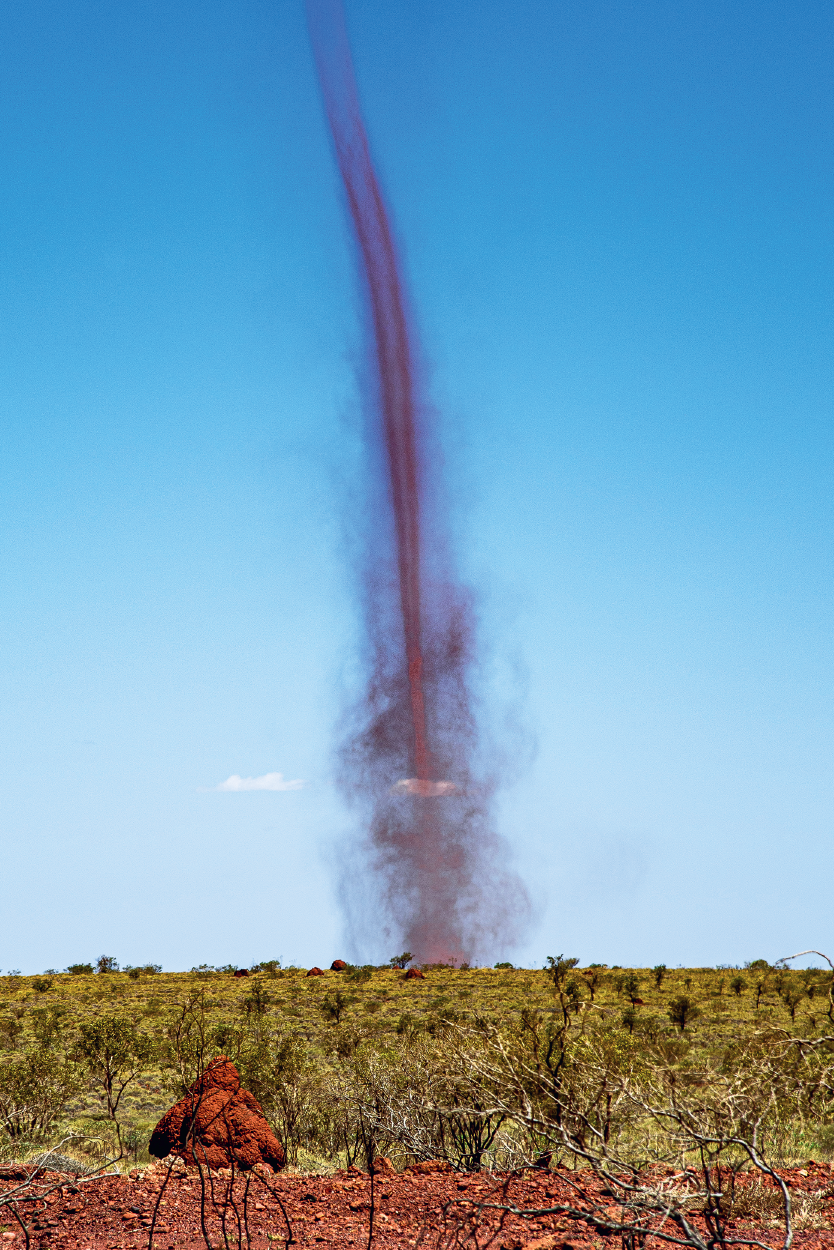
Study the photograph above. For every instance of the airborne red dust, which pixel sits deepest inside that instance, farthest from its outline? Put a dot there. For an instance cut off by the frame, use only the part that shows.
(435, 869)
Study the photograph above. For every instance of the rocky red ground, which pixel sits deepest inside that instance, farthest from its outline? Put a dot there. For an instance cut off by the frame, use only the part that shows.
(432, 1209)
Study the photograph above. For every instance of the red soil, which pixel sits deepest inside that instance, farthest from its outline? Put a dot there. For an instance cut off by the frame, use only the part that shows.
(425, 1208)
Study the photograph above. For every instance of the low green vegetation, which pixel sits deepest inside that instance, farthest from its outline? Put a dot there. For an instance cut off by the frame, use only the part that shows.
(341, 1061)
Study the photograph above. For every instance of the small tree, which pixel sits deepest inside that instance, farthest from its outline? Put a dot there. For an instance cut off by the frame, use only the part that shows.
(558, 968)
(107, 963)
(629, 1018)
(791, 999)
(682, 1011)
(34, 1089)
(593, 977)
(113, 1051)
(759, 965)
(658, 972)
(334, 1005)
(257, 1001)
(632, 988)
(738, 985)
(400, 961)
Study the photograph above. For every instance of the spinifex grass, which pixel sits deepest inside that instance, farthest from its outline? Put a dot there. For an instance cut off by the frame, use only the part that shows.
(322, 1022)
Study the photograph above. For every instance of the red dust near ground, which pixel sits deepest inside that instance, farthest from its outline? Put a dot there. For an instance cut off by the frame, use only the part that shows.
(410, 756)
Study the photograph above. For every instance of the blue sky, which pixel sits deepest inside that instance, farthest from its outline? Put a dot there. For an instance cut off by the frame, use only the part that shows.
(616, 223)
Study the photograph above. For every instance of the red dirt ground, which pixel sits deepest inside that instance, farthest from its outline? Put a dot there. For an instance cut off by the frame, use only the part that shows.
(429, 1209)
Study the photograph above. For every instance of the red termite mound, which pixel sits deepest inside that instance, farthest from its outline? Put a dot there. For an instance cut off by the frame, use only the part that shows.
(414, 974)
(315, 972)
(338, 965)
(218, 1124)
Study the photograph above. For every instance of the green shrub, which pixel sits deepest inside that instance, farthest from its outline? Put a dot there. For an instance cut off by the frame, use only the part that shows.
(41, 984)
(112, 1049)
(631, 985)
(682, 1011)
(34, 1089)
(363, 973)
(557, 969)
(48, 1024)
(271, 966)
(10, 1031)
(256, 1001)
(334, 1005)
(78, 970)
(629, 1018)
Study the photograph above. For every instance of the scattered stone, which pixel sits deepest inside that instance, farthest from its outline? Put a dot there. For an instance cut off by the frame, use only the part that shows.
(217, 1123)
(430, 1165)
(53, 1162)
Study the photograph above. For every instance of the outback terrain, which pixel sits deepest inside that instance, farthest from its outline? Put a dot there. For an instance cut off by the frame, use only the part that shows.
(565, 1106)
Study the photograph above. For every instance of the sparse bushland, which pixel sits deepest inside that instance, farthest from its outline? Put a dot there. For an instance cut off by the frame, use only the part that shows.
(487, 1067)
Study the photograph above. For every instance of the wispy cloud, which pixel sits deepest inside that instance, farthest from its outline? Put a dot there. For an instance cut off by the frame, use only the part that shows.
(269, 781)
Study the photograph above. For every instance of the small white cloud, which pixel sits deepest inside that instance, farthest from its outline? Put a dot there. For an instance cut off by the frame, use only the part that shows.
(425, 789)
(269, 781)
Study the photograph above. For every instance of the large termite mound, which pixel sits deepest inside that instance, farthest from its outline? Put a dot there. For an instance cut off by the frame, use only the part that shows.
(218, 1124)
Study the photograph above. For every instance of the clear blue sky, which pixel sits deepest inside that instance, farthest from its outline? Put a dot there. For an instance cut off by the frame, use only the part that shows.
(617, 225)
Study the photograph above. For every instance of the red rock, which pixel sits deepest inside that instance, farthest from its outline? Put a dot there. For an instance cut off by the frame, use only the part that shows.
(217, 1123)
(338, 965)
(241, 972)
(383, 1166)
(430, 1165)
(315, 972)
(414, 974)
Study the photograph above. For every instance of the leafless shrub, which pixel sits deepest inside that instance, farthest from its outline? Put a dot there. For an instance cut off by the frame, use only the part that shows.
(659, 1139)
(32, 1183)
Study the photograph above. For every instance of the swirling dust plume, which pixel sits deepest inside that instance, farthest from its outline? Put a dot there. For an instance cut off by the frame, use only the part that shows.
(434, 871)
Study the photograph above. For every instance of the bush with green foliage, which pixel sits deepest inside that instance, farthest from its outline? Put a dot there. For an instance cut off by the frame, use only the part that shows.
(113, 1051)
(558, 967)
(35, 1087)
(682, 1011)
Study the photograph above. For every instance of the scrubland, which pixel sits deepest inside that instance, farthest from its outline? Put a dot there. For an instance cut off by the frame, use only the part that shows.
(487, 1068)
